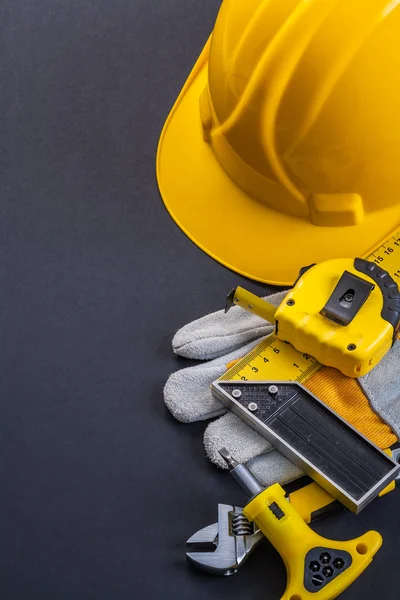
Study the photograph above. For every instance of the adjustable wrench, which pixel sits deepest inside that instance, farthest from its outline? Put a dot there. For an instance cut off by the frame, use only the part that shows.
(223, 547)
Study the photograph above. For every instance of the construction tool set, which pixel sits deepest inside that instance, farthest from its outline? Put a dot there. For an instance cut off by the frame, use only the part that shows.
(344, 313)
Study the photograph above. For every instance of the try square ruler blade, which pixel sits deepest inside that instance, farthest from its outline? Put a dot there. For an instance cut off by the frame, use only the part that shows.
(311, 435)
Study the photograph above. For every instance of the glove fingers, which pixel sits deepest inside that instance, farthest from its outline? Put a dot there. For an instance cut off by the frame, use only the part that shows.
(232, 433)
(187, 392)
(219, 333)
(272, 468)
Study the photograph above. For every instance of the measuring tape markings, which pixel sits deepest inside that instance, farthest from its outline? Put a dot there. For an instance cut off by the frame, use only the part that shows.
(279, 360)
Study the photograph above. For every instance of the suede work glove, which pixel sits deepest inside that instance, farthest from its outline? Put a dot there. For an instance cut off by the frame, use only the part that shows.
(371, 404)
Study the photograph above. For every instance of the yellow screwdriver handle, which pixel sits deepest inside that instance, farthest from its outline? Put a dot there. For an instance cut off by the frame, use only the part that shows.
(317, 568)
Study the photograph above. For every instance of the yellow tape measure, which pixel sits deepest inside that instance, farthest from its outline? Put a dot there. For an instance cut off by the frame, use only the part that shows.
(274, 359)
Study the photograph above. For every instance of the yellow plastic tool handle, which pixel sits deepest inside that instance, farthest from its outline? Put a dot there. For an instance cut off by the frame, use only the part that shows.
(252, 303)
(312, 502)
(316, 567)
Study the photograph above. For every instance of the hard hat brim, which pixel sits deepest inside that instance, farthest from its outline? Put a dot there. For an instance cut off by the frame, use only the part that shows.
(238, 231)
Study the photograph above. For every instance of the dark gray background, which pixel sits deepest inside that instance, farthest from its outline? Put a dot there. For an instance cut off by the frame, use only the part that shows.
(99, 486)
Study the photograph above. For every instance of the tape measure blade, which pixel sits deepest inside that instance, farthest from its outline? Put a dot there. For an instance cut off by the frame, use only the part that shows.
(273, 359)
(387, 256)
(236, 371)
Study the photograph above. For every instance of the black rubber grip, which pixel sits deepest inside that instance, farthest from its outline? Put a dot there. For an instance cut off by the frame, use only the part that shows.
(389, 288)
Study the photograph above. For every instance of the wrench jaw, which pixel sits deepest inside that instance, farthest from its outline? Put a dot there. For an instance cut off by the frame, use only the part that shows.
(223, 547)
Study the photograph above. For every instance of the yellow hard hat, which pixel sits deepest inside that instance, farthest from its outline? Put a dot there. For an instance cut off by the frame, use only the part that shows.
(283, 148)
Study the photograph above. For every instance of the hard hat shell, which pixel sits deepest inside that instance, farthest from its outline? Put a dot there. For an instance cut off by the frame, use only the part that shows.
(283, 147)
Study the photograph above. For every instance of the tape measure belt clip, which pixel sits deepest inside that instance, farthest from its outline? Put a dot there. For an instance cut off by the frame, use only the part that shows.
(348, 297)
